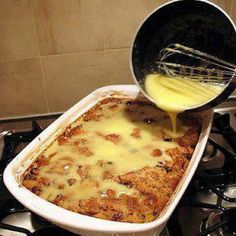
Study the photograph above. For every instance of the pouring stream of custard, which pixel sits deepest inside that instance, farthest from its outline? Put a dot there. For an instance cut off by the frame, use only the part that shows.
(175, 95)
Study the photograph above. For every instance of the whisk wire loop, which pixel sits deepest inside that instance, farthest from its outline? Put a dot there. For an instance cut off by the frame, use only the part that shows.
(208, 68)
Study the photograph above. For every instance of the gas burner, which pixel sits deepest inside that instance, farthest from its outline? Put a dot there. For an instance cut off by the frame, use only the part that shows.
(22, 224)
(213, 219)
(219, 224)
(230, 192)
(212, 158)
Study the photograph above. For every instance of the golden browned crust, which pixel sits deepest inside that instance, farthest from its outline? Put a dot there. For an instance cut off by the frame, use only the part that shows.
(154, 185)
(136, 133)
(114, 138)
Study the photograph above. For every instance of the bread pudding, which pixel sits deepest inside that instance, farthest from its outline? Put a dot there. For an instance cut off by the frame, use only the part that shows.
(119, 161)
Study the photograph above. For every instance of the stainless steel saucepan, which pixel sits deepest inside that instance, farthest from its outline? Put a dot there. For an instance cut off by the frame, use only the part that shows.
(197, 24)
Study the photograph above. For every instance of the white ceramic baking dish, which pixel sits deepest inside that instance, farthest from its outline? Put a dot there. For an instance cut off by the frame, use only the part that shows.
(86, 225)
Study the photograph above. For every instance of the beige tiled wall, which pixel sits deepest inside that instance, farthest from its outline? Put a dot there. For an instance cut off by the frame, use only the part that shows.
(54, 52)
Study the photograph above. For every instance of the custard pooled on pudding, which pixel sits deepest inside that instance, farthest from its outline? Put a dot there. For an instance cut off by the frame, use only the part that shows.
(119, 161)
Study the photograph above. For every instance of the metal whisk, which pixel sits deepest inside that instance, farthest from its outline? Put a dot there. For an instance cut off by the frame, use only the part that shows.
(178, 60)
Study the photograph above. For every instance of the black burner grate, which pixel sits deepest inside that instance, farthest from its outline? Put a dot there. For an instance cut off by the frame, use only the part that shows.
(13, 140)
(13, 143)
(216, 181)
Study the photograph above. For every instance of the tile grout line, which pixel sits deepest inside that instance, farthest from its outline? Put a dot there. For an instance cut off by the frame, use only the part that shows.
(40, 60)
(18, 59)
(86, 52)
(231, 9)
(34, 26)
(63, 54)
(103, 33)
(44, 84)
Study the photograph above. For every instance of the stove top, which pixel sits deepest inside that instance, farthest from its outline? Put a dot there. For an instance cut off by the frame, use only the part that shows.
(208, 207)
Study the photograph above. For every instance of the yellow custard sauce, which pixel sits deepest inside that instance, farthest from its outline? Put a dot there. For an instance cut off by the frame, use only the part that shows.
(118, 143)
(175, 95)
(119, 161)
